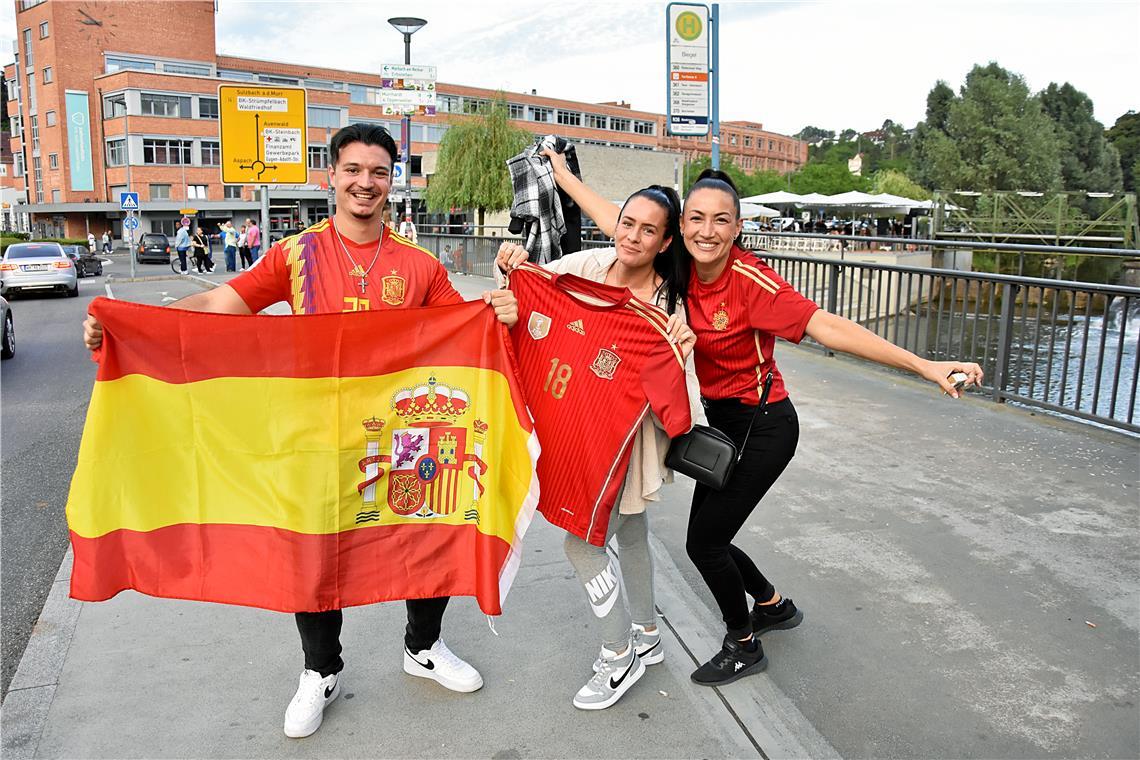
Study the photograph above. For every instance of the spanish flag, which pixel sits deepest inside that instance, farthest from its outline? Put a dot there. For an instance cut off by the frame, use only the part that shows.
(302, 463)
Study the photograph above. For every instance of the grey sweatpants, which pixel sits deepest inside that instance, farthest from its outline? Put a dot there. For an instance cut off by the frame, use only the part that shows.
(603, 575)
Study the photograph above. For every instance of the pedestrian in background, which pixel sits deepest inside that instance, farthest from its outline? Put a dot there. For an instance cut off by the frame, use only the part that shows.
(253, 240)
(91, 242)
(201, 245)
(107, 241)
(408, 229)
(243, 249)
(182, 245)
(229, 244)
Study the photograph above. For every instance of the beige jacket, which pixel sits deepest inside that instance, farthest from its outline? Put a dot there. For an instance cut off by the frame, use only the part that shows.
(647, 470)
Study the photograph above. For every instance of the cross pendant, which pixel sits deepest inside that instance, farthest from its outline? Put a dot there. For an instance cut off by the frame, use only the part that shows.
(363, 283)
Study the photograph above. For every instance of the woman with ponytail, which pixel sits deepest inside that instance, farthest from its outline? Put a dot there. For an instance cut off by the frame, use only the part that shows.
(647, 259)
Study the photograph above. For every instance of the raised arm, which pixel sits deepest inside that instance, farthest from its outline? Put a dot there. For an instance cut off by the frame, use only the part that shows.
(603, 212)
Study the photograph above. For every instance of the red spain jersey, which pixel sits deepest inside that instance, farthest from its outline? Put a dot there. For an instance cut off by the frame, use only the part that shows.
(312, 272)
(737, 319)
(591, 372)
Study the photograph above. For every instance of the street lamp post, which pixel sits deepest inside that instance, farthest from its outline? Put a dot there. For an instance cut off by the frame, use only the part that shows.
(407, 26)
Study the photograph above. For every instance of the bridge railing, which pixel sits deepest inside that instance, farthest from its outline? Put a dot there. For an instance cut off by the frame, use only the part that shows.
(1068, 347)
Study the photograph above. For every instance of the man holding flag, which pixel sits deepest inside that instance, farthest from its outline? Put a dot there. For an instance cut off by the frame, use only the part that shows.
(349, 263)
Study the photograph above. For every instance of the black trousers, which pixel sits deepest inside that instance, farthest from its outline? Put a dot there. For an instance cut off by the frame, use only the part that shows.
(320, 633)
(717, 516)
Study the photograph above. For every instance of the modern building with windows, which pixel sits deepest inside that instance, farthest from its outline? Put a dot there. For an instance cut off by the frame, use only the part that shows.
(98, 107)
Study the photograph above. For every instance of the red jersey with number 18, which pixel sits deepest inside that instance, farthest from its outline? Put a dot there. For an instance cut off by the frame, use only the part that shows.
(593, 361)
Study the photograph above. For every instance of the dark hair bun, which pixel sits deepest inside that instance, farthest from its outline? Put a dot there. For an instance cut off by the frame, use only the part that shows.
(718, 175)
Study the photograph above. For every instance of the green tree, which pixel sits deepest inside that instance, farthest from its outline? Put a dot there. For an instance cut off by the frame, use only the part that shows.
(1125, 137)
(814, 134)
(1088, 160)
(897, 183)
(471, 170)
(828, 179)
(995, 136)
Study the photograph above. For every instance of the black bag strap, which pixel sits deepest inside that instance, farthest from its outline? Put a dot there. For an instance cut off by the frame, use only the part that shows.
(763, 403)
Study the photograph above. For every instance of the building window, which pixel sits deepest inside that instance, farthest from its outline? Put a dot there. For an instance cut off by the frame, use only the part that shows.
(44, 30)
(324, 117)
(769, 145)
(644, 127)
(569, 118)
(747, 141)
(50, 117)
(232, 192)
(25, 4)
(475, 105)
(27, 48)
(115, 63)
(211, 153)
(35, 122)
(166, 151)
(165, 105)
(18, 164)
(619, 125)
(207, 108)
(243, 76)
(55, 196)
(594, 121)
(13, 89)
(167, 227)
(516, 111)
(446, 103)
(160, 192)
(53, 160)
(318, 157)
(186, 68)
(48, 76)
(116, 152)
(540, 114)
(732, 139)
(278, 80)
(38, 174)
(114, 106)
(196, 192)
(323, 84)
(116, 191)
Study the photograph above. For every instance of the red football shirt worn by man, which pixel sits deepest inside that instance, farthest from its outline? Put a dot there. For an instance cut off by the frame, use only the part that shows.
(351, 262)
(593, 361)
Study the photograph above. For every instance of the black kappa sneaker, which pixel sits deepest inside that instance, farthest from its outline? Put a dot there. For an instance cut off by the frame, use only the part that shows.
(775, 617)
(730, 663)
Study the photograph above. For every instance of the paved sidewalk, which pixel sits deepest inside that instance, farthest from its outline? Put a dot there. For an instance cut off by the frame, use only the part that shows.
(970, 575)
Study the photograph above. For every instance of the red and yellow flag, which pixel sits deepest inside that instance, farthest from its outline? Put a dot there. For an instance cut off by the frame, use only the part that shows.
(302, 463)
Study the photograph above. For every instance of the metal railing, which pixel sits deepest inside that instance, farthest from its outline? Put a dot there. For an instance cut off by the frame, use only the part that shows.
(1069, 347)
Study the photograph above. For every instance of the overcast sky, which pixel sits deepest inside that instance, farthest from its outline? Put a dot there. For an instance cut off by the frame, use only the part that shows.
(833, 64)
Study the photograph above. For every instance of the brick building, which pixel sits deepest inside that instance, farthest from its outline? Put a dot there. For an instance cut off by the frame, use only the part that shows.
(95, 109)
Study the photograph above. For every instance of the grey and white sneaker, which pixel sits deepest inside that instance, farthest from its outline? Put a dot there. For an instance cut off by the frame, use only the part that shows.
(647, 645)
(304, 714)
(614, 675)
(441, 665)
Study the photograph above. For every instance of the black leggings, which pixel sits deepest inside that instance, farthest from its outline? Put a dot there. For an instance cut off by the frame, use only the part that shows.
(717, 516)
(320, 633)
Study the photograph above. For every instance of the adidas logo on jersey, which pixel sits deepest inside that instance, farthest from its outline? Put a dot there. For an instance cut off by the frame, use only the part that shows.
(576, 326)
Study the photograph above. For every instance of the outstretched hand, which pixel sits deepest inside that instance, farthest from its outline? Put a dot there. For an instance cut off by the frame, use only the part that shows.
(939, 373)
(505, 304)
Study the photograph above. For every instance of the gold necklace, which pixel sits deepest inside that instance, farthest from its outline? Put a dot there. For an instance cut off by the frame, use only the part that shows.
(357, 270)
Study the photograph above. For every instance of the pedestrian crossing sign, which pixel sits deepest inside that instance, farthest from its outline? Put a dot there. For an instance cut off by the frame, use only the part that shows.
(129, 201)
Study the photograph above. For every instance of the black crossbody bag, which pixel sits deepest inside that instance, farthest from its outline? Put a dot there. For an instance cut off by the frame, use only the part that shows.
(706, 454)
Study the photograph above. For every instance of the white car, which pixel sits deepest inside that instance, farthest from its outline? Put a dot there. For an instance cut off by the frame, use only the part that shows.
(37, 266)
(751, 226)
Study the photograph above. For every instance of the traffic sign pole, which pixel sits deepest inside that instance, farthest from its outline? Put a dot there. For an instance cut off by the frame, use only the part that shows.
(130, 230)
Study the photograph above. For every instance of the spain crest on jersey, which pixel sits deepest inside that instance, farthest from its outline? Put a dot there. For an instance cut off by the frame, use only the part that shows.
(431, 471)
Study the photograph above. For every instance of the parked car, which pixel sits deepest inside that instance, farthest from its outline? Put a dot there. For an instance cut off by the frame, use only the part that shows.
(153, 246)
(87, 264)
(37, 266)
(8, 338)
(751, 226)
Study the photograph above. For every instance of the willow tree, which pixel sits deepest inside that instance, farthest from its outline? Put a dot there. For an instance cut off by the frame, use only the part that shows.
(471, 169)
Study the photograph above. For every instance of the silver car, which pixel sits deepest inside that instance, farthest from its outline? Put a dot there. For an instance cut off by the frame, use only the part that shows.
(37, 266)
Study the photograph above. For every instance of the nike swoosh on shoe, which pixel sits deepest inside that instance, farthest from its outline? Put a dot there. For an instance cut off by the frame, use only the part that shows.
(429, 664)
(614, 684)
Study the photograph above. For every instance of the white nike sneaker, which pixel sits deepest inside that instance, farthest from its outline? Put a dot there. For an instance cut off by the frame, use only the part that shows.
(305, 713)
(614, 676)
(441, 665)
(647, 645)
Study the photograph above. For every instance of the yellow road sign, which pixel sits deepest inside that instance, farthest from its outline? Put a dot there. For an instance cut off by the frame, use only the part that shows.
(263, 134)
